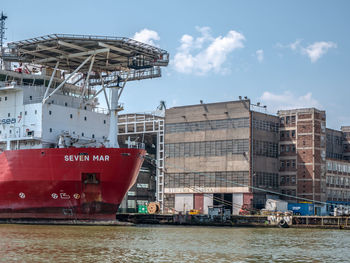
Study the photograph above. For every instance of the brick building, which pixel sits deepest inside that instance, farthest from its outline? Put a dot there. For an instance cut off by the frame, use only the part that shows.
(224, 153)
(303, 154)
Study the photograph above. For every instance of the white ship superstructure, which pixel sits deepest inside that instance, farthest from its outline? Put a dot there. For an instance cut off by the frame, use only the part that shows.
(27, 122)
(49, 89)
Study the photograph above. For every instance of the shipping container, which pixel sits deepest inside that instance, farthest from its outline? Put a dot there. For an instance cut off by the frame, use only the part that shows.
(303, 209)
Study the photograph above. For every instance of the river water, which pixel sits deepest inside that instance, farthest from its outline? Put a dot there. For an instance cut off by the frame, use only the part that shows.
(34, 243)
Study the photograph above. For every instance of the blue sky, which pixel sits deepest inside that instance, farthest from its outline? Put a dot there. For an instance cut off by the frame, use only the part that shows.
(284, 54)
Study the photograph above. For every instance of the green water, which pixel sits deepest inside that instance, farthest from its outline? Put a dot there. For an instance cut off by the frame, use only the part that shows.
(24, 243)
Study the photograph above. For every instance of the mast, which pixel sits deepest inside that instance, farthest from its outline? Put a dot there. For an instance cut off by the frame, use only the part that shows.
(3, 17)
(113, 119)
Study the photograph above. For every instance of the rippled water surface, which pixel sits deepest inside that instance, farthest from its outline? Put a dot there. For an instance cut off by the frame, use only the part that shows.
(25, 243)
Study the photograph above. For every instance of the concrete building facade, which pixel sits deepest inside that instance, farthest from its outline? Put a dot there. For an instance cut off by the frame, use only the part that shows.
(215, 153)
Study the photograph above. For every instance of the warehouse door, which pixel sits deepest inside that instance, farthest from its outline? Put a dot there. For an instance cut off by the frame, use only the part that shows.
(199, 202)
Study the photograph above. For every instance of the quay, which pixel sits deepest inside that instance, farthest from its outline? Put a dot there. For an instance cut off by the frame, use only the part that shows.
(326, 222)
(131, 219)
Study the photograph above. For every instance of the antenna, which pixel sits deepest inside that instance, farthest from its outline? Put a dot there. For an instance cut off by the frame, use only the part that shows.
(2, 30)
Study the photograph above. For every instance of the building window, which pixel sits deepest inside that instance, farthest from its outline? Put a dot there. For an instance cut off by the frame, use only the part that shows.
(5, 98)
(8, 114)
(292, 179)
(293, 133)
(282, 148)
(50, 112)
(71, 116)
(25, 113)
(282, 164)
(282, 180)
(84, 107)
(104, 121)
(10, 131)
(93, 136)
(142, 186)
(31, 97)
(50, 129)
(293, 163)
(35, 112)
(66, 104)
(287, 119)
(85, 118)
(82, 134)
(131, 204)
(0, 98)
(74, 132)
(287, 148)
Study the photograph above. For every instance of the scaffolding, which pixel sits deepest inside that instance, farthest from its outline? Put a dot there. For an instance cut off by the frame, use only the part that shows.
(148, 123)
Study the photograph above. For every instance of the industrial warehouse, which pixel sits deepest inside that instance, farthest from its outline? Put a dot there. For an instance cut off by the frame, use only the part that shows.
(236, 156)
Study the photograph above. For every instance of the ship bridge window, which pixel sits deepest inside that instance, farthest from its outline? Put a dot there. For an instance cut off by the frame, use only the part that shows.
(93, 136)
(84, 107)
(85, 118)
(35, 112)
(90, 178)
(71, 116)
(30, 97)
(8, 114)
(50, 129)
(66, 104)
(82, 134)
(5, 98)
(50, 112)
(104, 121)
(25, 113)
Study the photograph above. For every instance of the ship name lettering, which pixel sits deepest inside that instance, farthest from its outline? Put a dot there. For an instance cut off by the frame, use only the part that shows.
(76, 158)
(101, 158)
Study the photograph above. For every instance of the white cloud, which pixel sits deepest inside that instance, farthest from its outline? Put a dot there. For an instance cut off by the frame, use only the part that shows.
(314, 51)
(287, 100)
(147, 36)
(260, 55)
(318, 49)
(205, 53)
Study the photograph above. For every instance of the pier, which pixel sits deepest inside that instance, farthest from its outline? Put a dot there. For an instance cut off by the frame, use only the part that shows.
(238, 220)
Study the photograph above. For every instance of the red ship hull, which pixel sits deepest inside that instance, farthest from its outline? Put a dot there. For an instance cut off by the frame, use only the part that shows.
(68, 183)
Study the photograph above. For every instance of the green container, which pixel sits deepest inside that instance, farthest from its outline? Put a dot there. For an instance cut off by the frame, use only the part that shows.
(142, 209)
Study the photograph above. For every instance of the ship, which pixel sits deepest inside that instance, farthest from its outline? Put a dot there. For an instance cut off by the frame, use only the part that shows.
(59, 153)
